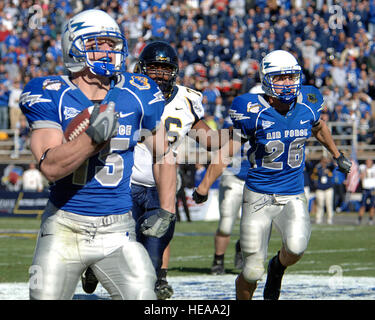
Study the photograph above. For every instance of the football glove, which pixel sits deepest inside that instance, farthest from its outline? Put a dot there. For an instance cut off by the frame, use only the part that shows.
(103, 125)
(199, 198)
(343, 163)
(157, 224)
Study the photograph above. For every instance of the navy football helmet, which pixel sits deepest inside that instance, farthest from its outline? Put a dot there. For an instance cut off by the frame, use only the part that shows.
(159, 61)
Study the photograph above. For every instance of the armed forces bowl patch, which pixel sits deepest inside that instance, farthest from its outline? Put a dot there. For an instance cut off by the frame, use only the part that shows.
(253, 107)
(49, 84)
(140, 82)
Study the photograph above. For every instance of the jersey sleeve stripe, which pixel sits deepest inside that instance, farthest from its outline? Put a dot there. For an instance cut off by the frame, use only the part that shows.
(60, 104)
(42, 124)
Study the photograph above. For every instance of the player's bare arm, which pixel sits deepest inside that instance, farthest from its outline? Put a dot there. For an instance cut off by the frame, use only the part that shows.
(60, 159)
(208, 138)
(323, 135)
(222, 158)
(164, 169)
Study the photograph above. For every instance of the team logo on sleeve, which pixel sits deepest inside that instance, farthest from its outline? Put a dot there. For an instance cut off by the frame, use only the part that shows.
(158, 97)
(237, 116)
(140, 82)
(312, 98)
(31, 99)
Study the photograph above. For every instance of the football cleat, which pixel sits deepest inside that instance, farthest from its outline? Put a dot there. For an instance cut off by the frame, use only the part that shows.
(163, 290)
(274, 276)
(89, 281)
(238, 260)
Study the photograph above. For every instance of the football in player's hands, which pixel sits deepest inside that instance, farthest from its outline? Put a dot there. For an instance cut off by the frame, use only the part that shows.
(98, 121)
(80, 123)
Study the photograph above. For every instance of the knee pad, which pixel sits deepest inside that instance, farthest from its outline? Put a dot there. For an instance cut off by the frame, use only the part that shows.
(226, 226)
(296, 245)
(253, 268)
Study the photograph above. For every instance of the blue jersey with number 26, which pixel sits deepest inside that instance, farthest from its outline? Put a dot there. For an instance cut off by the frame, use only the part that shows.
(101, 186)
(277, 142)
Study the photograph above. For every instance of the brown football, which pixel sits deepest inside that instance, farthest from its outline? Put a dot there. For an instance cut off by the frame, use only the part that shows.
(80, 123)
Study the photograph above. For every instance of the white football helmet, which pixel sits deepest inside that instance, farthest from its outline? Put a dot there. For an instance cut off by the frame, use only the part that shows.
(93, 24)
(280, 62)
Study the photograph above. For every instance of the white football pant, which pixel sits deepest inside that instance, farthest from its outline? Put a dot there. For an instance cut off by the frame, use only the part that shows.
(68, 243)
(230, 201)
(259, 212)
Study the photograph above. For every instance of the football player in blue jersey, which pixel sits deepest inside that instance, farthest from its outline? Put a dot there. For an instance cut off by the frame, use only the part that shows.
(88, 220)
(183, 115)
(276, 124)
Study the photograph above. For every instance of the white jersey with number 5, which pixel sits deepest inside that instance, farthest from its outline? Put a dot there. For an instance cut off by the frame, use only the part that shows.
(182, 110)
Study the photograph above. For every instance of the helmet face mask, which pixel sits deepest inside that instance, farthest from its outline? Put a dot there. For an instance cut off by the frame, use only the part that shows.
(284, 92)
(281, 76)
(163, 74)
(159, 61)
(94, 27)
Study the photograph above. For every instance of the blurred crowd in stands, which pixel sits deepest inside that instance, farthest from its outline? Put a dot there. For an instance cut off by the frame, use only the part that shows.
(220, 44)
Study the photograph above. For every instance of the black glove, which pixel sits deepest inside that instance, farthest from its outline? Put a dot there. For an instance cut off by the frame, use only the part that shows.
(199, 198)
(103, 125)
(157, 224)
(343, 163)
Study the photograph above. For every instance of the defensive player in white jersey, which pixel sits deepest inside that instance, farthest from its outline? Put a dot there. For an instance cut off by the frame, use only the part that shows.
(88, 220)
(277, 125)
(183, 112)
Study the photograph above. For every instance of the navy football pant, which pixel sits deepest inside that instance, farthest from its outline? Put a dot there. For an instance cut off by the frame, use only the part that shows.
(145, 201)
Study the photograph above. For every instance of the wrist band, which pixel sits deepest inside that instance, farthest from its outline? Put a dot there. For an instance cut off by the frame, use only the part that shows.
(43, 157)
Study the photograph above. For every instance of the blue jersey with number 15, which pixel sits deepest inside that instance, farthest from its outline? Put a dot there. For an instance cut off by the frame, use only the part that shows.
(101, 186)
(277, 142)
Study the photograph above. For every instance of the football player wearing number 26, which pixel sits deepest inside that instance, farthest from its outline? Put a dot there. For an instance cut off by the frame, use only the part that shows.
(276, 124)
(88, 220)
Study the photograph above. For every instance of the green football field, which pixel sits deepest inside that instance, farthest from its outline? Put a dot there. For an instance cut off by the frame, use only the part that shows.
(343, 247)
